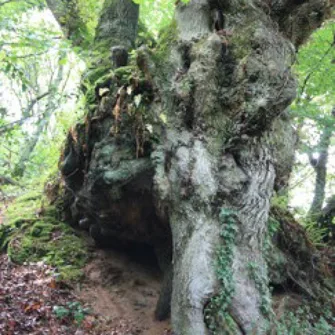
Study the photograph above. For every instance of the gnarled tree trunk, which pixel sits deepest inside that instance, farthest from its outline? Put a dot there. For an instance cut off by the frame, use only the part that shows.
(221, 81)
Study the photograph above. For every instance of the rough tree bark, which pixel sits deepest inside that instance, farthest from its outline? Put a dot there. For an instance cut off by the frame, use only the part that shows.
(67, 14)
(208, 172)
(118, 23)
(240, 83)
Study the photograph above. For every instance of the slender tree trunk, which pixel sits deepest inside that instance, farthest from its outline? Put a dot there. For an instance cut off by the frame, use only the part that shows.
(320, 167)
(28, 149)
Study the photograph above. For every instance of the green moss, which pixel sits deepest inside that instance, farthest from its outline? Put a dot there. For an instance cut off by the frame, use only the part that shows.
(93, 75)
(33, 233)
(42, 230)
(24, 208)
(5, 233)
(240, 41)
(99, 67)
(51, 214)
(125, 73)
(103, 80)
(167, 39)
(29, 196)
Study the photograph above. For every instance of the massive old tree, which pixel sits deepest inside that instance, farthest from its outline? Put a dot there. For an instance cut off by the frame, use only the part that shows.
(184, 144)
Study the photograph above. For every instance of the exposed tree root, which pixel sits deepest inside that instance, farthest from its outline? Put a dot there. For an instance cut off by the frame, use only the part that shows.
(297, 264)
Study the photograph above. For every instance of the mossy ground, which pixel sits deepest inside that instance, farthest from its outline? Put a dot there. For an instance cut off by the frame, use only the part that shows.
(33, 232)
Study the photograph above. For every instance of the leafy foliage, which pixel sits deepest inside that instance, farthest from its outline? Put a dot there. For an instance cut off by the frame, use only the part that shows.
(315, 70)
(37, 77)
(73, 310)
(304, 322)
(23, 37)
(156, 14)
(313, 109)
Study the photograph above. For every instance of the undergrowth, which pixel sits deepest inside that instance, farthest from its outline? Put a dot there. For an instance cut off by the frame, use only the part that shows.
(303, 322)
(72, 311)
(33, 232)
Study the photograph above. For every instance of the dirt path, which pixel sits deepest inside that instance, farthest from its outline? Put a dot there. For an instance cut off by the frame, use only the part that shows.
(124, 291)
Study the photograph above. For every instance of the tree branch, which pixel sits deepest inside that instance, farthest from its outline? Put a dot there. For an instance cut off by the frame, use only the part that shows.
(31, 55)
(298, 19)
(66, 13)
(8, 181)
(11, 125)
(315, 68)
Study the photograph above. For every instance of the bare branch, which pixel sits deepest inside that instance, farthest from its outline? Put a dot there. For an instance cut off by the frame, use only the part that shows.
(298, 19)
(11, 125)
(31, 55)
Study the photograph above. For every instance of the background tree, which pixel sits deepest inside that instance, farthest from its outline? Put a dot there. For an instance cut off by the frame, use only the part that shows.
(35, 73)
(313, 112)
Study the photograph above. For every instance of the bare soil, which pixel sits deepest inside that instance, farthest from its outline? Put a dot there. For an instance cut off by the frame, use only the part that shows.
(123, 289)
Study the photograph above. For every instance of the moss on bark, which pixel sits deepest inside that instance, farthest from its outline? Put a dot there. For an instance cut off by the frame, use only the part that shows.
(34, 232)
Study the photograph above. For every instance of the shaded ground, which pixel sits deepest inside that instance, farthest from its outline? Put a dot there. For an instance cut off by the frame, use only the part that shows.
(29, 298)
(117, 296)
(123, 289)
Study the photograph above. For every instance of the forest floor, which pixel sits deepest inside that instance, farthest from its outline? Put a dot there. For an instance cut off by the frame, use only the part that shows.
(117, 296)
